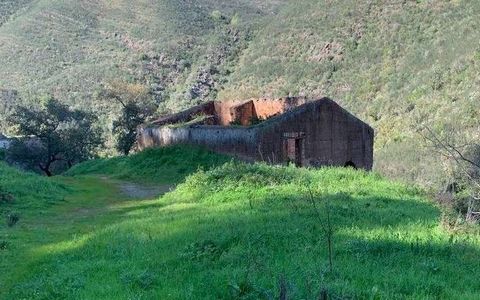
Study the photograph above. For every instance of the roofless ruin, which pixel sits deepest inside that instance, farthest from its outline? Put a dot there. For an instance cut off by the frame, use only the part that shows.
(307, 133)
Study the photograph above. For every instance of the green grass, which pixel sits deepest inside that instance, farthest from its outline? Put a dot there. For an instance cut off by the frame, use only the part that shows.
(154, 165)
(29, 196)
(28, 189)
(232, 232)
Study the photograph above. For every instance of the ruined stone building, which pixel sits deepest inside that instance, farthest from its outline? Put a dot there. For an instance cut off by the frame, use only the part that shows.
(307, 133)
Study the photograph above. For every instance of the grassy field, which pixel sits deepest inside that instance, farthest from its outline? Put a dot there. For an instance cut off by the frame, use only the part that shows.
(163, 165)
(236, 231)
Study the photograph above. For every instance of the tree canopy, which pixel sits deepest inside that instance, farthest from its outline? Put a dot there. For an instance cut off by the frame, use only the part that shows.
(53, 136)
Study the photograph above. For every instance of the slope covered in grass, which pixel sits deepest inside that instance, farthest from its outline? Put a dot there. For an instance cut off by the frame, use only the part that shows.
(27, 190)
(10, 7)
(242, 231)
(72, 48)
(23, 197)
(161, 165)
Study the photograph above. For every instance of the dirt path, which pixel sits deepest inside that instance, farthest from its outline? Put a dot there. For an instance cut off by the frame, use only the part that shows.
(138, 191)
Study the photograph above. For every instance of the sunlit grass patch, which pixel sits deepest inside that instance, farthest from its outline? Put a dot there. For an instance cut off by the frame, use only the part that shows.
(238, 230)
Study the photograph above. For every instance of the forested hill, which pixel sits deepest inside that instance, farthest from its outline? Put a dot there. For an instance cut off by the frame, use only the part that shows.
(396, 64)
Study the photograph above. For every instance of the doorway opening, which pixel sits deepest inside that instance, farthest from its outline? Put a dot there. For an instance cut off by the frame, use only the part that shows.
(293, 148)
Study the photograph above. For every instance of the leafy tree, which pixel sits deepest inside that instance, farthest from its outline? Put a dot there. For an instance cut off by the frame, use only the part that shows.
(53, 134)
(125, 127)
(136, 107)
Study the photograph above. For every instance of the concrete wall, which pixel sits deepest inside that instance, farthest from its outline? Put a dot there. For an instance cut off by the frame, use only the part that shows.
(239, 141)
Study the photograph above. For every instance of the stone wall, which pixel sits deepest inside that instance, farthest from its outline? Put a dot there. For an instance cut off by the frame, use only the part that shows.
(330, 136)
(237, 141)
(318, 133)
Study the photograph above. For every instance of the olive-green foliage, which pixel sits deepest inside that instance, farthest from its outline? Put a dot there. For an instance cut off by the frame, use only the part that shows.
(10, 7)
(165, 44)
(125, 127)
(233, 232)
(53, 133)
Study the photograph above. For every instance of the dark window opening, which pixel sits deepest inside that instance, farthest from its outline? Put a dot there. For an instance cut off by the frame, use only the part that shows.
(350, 164)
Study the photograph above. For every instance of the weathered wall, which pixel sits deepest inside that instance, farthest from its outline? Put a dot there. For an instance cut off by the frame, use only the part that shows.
(265, 108)
(186, 115)
(332, 136)
(224, 113)
(161, 136)
(243, 113)
(328, 135)
(262, 109)
(238, 141)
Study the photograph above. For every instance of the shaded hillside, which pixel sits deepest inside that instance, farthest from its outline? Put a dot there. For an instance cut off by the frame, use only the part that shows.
(396, 64)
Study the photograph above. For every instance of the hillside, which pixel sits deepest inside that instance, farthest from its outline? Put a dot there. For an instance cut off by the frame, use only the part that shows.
(27, 190)
(10, 7)
(239, 231)
(398, 65)
(73, 48)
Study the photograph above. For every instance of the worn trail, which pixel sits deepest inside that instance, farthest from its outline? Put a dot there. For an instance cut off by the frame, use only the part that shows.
(138, 191)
